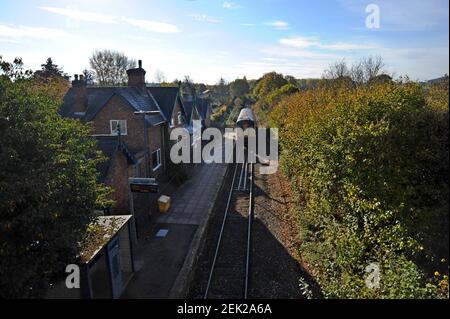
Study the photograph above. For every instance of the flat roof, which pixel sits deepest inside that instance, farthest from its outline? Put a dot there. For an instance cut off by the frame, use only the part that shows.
(99, 233)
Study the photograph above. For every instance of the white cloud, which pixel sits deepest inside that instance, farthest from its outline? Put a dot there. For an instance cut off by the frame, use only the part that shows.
(17, 32)
(342, 46)
(248, 24)
(153, 26)
(299, 42)
(308, 42)
(77, 15)
(229, 5)
(283, 52)
(206, 18)
(81, 15)
(278, 24)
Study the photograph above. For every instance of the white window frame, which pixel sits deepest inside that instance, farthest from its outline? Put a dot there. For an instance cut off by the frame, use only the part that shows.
(123, 127)
(158, 157)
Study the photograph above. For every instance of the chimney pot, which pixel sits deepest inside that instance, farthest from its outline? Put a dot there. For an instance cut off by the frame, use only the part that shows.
(140, 64)
(76, 77)
(81, 77)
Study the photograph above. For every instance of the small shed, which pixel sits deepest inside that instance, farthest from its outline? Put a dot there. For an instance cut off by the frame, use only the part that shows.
(106, 261)
(107, 258)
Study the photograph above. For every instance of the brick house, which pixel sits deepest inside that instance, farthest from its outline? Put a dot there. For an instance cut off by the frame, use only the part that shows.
(119, 126)
(171, 104)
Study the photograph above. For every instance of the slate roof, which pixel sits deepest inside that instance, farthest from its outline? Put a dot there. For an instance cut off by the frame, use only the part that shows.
(109, 145)
(99, 96)
(166, 98)
(202, 107)
(188, 107)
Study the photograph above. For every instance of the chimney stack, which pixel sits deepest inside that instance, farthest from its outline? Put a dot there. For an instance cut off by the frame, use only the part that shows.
(136, 77)
(80, 94)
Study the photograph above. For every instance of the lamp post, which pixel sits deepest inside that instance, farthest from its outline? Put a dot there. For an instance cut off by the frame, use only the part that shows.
(146, 153)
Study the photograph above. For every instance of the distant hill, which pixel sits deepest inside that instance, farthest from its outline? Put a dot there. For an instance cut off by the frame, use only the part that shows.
(437, 80)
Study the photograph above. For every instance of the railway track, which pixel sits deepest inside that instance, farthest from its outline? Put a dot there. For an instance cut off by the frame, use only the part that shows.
(230, 268)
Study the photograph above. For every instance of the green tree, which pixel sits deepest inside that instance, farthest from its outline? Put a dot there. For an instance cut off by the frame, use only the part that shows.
(50, 70)
(239, 87)
(268, 83)
(48, 184)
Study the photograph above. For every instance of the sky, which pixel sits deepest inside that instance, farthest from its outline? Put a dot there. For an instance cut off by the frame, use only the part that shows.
(210, 39)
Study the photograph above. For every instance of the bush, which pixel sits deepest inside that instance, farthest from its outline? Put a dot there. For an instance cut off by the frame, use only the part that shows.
(369, 168)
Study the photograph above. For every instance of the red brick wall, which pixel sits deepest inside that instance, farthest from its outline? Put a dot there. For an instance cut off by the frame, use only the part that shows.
(119, 170)
(118, 109)
(117, 179)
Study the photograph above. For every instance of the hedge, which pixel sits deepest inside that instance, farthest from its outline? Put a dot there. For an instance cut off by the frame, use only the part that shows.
(369, 171)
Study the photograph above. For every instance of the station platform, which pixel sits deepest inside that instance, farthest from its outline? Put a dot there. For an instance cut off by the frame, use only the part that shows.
(165, 253)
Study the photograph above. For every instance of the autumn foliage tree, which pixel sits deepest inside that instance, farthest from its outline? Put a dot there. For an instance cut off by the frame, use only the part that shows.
(369, 171)
(239, 87)
(48, 183)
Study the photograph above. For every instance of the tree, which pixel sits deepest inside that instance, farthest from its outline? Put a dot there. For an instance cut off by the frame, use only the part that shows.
(88, 76)
(291, 80)
(187, 86)
(353, 158)
(337, 70)
(239, 87)
(372, 67)
(268, 83)
(48, 184)
(111, 67)
(360, 72)
(159, 77)
(221, 91)
(200, 87)
(50, 70)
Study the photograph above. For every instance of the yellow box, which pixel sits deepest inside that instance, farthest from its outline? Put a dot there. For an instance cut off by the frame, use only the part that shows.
(163, 203)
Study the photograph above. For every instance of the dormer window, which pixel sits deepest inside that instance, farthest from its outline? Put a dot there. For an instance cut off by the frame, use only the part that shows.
(114, 127)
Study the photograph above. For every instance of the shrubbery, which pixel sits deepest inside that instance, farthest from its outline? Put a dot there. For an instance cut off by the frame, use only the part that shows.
(369, 169)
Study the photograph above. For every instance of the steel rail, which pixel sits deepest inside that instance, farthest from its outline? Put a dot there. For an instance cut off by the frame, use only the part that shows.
(220, 235)
(249, 232)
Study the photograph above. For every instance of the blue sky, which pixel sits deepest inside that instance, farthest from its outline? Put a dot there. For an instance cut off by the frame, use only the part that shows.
(209, 39)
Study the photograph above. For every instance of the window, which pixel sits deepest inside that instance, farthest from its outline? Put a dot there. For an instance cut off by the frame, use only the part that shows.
(114, 127)
(156, 159)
